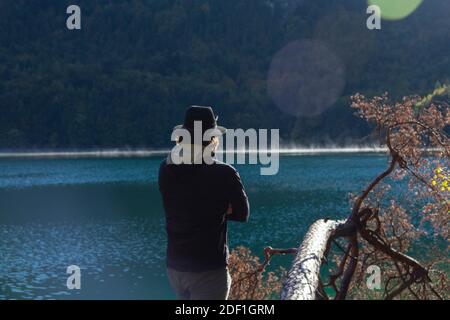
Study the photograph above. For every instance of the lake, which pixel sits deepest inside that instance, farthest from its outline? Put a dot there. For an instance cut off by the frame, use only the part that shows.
(106, 216)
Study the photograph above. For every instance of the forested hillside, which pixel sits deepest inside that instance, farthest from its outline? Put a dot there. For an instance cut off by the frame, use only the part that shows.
(125, 78)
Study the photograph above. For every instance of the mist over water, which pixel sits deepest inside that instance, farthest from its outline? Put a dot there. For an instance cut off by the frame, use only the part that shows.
(143, 153)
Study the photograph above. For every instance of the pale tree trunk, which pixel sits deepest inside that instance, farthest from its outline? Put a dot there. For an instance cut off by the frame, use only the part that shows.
(303, 278)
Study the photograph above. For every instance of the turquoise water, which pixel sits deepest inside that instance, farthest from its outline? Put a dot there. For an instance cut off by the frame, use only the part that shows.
(105, 215)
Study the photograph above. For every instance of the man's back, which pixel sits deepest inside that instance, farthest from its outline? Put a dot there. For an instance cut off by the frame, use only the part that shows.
(196, 199)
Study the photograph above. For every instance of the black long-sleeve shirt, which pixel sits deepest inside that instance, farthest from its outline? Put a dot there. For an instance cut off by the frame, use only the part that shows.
(196, 198)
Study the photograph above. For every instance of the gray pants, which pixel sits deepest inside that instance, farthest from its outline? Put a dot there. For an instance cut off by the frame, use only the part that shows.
(208, 285)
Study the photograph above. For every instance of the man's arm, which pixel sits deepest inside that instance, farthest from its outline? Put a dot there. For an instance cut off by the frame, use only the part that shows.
(239, 208)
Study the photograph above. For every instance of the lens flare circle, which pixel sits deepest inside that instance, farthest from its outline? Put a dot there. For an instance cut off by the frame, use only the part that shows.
(305, 78)
(396, 9)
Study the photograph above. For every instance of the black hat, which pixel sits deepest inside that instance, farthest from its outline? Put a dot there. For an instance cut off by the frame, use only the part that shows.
(203, 114)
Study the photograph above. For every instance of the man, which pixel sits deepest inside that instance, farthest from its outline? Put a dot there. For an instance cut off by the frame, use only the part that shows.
(199, 198)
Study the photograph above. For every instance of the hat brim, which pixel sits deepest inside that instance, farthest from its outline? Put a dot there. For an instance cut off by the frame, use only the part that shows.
(221, 129)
